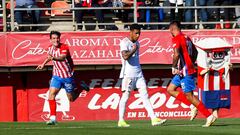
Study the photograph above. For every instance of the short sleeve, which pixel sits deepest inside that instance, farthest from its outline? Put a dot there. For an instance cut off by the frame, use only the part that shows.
(49, 52)
(123, 45)
(64, 49)
(175, 43)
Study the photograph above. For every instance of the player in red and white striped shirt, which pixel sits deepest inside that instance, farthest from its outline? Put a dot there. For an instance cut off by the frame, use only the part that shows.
(63, 71)
(62, 61)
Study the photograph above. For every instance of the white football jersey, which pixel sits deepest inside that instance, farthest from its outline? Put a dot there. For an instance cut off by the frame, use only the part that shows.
(130, 67)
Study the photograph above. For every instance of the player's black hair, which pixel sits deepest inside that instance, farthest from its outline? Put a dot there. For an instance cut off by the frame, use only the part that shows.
(55, 33)
(176, 23)
(135, 26)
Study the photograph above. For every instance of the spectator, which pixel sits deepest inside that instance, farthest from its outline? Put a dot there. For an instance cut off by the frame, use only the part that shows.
(118, 4)
(237, 11)
(176, 14)
(106, 3)
(189, 12)
(79, 13)
(141, 13)
(149, 12)
(226, 13)
(126, 12)
(35, 14)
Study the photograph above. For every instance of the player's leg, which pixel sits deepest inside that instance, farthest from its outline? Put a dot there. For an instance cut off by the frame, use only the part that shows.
(142, 89)
(55, 86)
(194, 112)
(179, 95)
(197, 103)
(215, 112)
(200, 106)
(172, 90)
(127, 84)
(70, 86)
(188, 85)
(78, 88)
(84, 86)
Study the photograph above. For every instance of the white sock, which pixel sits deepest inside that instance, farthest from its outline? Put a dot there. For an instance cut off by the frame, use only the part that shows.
(215, 113)
(210, 117)
(53, 118)
(191, 106)
(146, 102)
(122, 104)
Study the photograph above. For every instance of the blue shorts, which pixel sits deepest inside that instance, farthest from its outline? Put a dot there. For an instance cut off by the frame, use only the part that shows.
(67, 83)
(187, 83)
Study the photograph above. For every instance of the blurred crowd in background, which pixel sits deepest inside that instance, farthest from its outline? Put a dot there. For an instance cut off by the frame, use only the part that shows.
(207, 18)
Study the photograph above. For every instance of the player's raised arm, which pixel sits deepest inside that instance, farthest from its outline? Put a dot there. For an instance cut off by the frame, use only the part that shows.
(60, 58)
(127, 54)
(48, 59)
(64, 51)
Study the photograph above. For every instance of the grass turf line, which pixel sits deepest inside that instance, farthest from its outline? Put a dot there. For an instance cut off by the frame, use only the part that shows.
(140, 127)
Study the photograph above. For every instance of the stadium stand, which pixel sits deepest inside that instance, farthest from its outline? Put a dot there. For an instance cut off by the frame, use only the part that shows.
(60, 12)
(145, 14)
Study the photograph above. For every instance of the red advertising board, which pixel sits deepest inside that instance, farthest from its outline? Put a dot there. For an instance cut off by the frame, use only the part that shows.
(3, 54)
(27, 97)
(101, 103)
(28, 49)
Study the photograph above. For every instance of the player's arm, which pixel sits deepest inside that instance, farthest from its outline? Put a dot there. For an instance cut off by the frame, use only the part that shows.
(62, 57)
(127, 54)
(48, 59)
(63, 54)
(175, 57)
(175, 61)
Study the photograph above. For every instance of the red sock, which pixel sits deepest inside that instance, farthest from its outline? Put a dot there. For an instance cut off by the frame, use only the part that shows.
(203, 109)
(52, 106)
(183, 98)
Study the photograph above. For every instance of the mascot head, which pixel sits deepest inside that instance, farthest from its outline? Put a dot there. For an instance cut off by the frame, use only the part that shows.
(217, 53)
(218, 59)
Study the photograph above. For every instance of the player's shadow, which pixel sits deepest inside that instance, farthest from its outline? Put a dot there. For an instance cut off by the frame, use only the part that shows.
(224, 124)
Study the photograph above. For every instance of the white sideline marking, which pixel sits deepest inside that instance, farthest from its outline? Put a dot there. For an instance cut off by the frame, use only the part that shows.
(79, 127)
(187, 125)
(54, 127)
(49, 127)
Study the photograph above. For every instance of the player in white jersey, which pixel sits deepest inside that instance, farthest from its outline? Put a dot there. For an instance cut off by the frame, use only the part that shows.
(132, 76)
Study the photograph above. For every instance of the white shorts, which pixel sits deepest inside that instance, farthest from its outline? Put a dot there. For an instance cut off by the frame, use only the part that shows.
(131, 83)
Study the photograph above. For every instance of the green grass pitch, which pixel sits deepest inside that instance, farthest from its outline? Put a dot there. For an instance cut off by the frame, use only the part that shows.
(140, 127)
